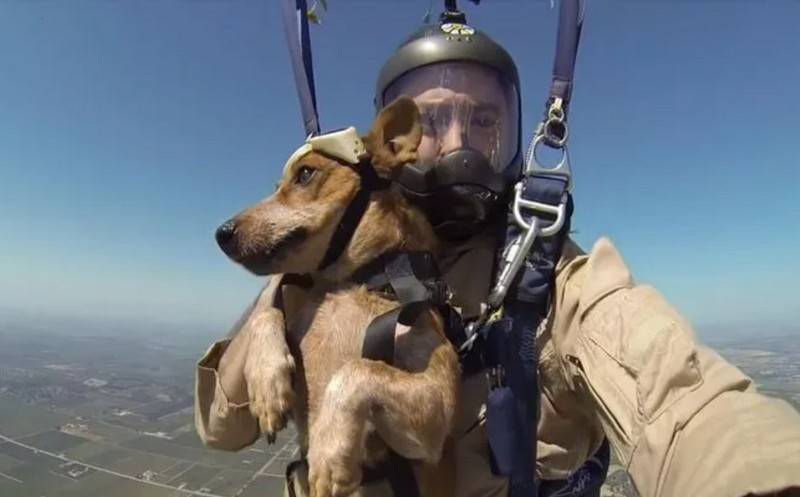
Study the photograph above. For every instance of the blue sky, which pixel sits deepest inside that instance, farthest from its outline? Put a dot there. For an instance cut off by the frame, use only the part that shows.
(130, 130)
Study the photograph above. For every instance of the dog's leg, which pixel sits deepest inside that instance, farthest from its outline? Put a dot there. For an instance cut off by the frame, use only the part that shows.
(412, 413)
(268, 372)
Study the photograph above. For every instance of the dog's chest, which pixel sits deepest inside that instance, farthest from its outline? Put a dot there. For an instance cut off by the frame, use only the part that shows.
(324, 334)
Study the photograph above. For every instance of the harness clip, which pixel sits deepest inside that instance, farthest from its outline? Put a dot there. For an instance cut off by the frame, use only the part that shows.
(533, 166)
(496, 377)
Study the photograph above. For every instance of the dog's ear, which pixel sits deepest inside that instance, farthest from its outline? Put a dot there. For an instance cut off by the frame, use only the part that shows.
(394, 137)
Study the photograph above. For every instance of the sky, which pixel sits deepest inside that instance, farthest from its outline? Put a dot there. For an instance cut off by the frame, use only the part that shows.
(130, 130)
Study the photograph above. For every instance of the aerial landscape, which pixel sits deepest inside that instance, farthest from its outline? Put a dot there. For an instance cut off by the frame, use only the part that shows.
(102, 413)
(109, 412)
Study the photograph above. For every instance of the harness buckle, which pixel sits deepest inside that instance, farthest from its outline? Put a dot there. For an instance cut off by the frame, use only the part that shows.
(439, 292)
(496, 377)
(562, 168)
(516, 253)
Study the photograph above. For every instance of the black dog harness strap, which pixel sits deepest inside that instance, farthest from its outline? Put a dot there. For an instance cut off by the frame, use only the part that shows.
(414, 279)
(370, 182)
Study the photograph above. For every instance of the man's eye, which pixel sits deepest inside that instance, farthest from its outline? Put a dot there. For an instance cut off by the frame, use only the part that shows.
(428, 123)
(484, 121)
(304, 175)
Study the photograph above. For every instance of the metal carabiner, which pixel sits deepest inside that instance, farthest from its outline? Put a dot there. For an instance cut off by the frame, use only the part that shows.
(516, 253)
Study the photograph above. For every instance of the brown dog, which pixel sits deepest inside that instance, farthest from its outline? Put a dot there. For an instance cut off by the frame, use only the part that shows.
(349, 411)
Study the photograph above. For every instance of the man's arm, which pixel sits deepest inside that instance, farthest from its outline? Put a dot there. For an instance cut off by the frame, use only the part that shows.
(222, 412)
(683, 421)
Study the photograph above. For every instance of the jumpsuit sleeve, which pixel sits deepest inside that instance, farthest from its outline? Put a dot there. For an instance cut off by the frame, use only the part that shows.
(681, 419)
(220, 422)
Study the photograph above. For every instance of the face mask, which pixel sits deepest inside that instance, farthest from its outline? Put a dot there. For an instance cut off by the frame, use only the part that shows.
(460, 193)
(470, 134)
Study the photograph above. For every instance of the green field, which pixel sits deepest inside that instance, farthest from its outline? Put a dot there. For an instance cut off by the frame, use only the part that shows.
(196, 477)
(264, 487)
(104, 485)
(110, 432)
(277, 467)
(228, 481)
(137, 463)
(167, 474)
(18, 419)
(7, 461)
(164, 447)
(189, 439)
(183, 460)
(53, 441)
(23, 454)
(86, 451)
(10, 488)
(37, 476)
(244, 460)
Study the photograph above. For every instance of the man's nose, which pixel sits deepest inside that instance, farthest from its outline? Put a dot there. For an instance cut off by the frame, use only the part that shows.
(453, 138)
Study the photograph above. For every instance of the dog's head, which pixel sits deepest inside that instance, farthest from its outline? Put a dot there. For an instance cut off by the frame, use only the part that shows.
(290, 231)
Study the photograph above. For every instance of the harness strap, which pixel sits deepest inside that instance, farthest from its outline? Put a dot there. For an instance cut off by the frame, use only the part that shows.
(379, 346)
(570, 23)
(370, 182)
(414, 278)
(301, 280)
(508, 344)
(379, 341)
(295, 25)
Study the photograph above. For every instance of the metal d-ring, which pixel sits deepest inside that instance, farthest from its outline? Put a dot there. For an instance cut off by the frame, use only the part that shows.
(561, 169)
(559, 211)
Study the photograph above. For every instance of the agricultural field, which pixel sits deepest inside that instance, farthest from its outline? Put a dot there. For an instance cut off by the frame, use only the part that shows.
(98, 416)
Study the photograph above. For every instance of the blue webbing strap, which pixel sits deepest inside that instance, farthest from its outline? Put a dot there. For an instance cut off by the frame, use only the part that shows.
(570, 22)
(295, 25)
(512, 405)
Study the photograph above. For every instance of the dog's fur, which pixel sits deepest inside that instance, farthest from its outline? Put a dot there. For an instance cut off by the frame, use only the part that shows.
(348, 410)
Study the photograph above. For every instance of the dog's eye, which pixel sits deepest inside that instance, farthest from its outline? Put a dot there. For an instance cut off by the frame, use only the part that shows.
(304, 175)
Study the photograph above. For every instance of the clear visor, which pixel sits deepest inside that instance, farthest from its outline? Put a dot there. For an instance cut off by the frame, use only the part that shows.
(463, 104)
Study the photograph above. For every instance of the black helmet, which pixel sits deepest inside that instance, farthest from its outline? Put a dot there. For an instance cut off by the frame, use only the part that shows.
(467, 88)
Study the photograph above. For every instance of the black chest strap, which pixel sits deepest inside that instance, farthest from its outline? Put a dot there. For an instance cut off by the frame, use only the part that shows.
(413, 278)
(370, 182)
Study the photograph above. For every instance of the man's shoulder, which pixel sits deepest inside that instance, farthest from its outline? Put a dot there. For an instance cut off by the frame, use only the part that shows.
(585, 278)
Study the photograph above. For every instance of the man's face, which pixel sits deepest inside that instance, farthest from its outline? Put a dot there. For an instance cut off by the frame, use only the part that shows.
(463, 105)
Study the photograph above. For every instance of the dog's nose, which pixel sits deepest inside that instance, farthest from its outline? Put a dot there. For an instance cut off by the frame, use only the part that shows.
(224, 235)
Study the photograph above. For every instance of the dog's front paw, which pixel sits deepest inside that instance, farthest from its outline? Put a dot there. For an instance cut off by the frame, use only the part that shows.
(335, 448)
(268, 372)
(332, 472)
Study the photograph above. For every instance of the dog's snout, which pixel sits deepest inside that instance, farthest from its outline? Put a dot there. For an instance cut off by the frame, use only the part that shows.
(225, 235)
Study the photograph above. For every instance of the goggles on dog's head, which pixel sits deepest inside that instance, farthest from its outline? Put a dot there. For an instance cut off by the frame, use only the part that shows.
(343, 144)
